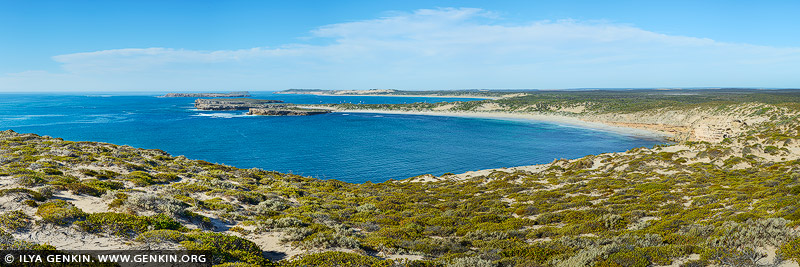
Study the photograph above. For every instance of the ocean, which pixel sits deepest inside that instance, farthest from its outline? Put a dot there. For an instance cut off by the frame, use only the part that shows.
(350, 147)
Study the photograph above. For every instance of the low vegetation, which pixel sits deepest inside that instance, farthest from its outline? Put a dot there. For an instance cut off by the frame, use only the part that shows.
(692, 203)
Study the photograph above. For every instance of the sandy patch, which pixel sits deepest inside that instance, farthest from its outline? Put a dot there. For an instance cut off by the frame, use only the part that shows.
(70, 238)
(88, 204)
(270, 243)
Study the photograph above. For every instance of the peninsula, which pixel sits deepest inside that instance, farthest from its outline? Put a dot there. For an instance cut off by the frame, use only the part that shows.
(231, 94)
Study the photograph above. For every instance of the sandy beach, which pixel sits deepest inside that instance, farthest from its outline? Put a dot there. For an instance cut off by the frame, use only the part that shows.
(556, 119)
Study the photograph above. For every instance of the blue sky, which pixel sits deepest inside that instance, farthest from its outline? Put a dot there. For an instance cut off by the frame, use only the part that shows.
(414, 45)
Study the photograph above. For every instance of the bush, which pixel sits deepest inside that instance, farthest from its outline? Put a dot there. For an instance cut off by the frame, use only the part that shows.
(155, 203)
(161, 236)
(627, 258)
(30, 179)
(33, 194)
(140, 178)
(59, 212)
(126, 225)
(7, 242)
(336, 258)
(470, 262)
(82, 189)
(104, 185)
(217, 204)
(270, 206)
(100, 175)
(791, 250)
(46, 191)
(15, 220)
(226, 248)
(537, 253)
(165, 178)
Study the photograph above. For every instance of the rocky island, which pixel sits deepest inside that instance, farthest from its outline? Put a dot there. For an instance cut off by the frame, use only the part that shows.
(231, 94)
(236, 104)
(287, 111)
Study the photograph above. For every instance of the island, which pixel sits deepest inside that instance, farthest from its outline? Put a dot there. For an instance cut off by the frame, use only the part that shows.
(236, 103)
(287, 111)
(231, 94)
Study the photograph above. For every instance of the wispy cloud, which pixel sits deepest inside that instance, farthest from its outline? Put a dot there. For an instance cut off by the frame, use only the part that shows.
(442, 49)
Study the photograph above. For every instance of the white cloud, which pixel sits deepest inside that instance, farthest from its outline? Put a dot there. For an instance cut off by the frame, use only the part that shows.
(446, 49)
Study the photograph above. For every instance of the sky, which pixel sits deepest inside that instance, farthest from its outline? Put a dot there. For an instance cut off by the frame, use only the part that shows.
(54, 46)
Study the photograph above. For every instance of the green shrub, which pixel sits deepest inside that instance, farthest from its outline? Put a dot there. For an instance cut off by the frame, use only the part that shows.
(160, 236)
(9, 243)
(791, 250)
(82, 189)
(226, 248)
(627, 258)
(126, 225)
(537, 253)
(59, 212)
(31, 203)
(15, 220)
(100, 175)
(118, 201)
(33, 194)
(140, 178)
(104, 185)
(165, 178)
(217, 204)
(336, 258)
(51, 171)
(30, 179)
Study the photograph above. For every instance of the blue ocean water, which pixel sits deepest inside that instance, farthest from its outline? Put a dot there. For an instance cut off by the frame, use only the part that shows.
(355, 147)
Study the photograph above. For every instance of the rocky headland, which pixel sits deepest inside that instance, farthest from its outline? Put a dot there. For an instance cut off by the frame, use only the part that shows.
(236, 104)
(286, 111)
(231, 94)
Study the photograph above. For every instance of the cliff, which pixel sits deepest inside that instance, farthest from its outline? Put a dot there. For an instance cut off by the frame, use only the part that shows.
(231, 94)
(235, 103)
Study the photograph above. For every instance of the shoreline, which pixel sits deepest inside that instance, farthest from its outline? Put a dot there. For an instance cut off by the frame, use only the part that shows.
(554, 119)
(431, 96)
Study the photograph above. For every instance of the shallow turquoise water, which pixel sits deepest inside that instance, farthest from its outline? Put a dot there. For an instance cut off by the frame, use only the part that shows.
(354, 147)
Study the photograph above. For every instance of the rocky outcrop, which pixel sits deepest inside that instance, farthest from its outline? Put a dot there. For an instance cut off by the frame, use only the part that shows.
(236, 104)
(286, 111)
(231, 94)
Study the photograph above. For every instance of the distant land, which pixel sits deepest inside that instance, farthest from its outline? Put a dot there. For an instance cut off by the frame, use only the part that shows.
(495, 94)
(663, 111)
(231, 94)
(487, 94)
